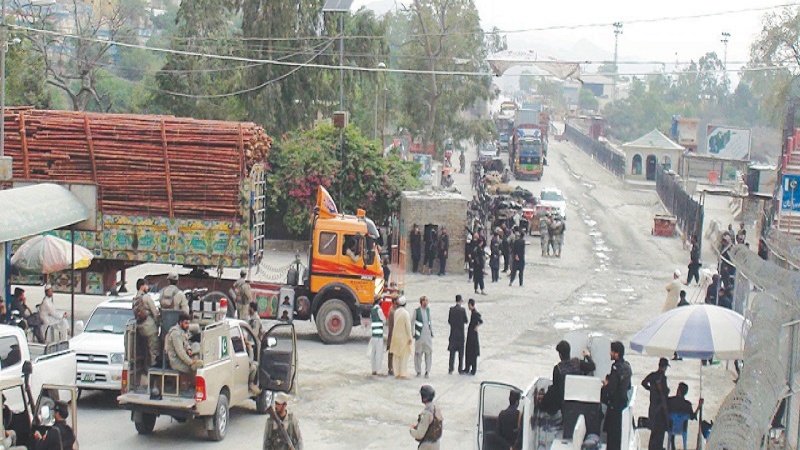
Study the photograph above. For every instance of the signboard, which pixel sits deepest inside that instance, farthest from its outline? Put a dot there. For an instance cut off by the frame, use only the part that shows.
(728, 142)
(790, 193)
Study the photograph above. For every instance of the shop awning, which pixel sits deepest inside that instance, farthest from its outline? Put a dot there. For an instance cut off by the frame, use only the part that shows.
(30, 210)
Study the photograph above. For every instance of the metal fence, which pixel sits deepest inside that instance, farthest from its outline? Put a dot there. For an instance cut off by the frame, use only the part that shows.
(599, 151)
(680, 204)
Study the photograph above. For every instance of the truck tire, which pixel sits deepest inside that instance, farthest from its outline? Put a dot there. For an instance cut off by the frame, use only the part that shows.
(221, 417)
(263, 401)
(334, 321)
(146, 424)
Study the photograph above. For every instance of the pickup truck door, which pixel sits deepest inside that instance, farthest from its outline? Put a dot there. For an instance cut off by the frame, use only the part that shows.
(241, 366)
(493, 399)
(277, 362)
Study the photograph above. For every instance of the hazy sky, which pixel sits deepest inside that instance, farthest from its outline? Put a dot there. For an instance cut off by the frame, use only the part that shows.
(659, 41)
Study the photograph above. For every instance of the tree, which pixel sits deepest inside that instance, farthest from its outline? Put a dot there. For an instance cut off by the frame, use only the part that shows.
(25, 85)
(72, 65)
(587, 100)
(304, 160)
(527, 81)
(442, 35)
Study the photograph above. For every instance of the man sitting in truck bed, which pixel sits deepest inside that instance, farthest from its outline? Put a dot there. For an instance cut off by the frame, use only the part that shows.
(176, 346)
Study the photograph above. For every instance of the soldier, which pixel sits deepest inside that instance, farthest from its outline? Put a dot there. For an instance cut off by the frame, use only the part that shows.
(172, 297)
(254, 320)
(428, 429)
(558, 234)
(146, 313)
(176, 346)
(544, 233)
(243, 294)
(273, 436)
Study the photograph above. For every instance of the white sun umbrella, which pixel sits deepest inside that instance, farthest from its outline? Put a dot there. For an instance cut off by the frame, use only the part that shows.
(48, 254)
(695, 332)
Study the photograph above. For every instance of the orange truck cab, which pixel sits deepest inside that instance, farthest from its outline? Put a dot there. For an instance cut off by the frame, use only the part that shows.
(343, 277)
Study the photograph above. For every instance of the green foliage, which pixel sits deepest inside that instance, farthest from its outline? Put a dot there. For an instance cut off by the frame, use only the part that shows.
(25, 85)
(439, 35)
(303, 160)
(587, 100)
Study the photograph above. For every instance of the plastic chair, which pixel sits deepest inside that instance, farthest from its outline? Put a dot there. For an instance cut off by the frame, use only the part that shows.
(679, 425)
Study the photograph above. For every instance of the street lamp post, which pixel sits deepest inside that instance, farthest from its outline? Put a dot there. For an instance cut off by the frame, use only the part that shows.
(617, 32)
(381, 65)
(725, 38)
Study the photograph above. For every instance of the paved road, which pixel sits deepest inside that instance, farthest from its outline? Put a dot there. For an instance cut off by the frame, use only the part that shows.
(610, 280)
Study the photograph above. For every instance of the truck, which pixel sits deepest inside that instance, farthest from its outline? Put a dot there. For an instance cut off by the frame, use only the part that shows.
(159, 189)
(53, 363)
(239, 366)
(525, 157)
(334, 289)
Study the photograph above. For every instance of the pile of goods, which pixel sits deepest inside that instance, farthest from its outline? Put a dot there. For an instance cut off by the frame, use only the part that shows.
(142, 164)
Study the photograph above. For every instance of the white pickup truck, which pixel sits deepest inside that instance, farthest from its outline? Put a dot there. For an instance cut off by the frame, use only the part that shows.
(51, 364)
(228, 349)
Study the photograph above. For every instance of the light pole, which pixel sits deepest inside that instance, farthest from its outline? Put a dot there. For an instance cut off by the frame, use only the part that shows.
(617, 32)
(381, 65)
(725, 38)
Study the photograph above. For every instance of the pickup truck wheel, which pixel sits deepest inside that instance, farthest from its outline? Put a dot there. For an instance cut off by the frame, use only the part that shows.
(146, 424)
(334, 321)
(221, 416)
(263, 400)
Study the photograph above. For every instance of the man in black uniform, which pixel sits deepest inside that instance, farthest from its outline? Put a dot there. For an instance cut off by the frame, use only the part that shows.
(656, 383)
(518, 263)
(615, 395)
(443, 246)
(60, 435)
(415, 240)
(554, 398)
(509, 420)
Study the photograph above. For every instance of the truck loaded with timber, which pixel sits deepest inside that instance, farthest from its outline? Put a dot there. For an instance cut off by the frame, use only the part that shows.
(192, 192)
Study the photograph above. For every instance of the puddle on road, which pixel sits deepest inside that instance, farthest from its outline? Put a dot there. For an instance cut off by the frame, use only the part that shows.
(594, 299)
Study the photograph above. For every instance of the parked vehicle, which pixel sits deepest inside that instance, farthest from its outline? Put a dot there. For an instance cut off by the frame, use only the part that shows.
(100, 348)
(228, 349)
(580, 416)
(52, 363)
(552, 200)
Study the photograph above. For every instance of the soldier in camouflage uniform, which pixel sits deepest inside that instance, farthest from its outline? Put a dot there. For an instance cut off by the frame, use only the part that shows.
(244, 295)
(171, 297)
(177, 349)
(544, 232)
(148, 329)
(273, 438)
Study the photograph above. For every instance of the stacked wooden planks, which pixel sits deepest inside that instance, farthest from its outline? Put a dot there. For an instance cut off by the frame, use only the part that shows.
(143, 165)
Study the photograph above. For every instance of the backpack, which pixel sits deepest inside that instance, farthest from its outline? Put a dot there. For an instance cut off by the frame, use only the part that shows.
(139, 309)
(434, 432)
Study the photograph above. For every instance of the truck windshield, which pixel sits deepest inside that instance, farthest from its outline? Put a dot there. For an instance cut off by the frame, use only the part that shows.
(529, 160)
(109, 320)
(530, 146)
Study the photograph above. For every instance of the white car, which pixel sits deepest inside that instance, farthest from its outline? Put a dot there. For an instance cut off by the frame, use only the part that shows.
(101, 347)
(552, 200)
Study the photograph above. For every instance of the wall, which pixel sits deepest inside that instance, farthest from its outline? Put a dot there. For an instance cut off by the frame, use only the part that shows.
(440, 208)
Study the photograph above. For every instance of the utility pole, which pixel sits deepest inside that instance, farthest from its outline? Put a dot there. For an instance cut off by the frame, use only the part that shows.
(3, 48)
(725, 38)
(617, 32)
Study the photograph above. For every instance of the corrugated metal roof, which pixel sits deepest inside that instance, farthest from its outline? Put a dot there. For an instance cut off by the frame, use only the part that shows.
(30, 210)
(337, 5)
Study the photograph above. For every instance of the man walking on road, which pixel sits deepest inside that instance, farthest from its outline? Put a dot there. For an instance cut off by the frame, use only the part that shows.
(673, 292)
(402, 338)
(376, 349)
(478, 265)
(505, 246)
(494, 257)
(518, 264)
(423, 336)
(457, 318)
(656, 383)
(473, 348)
(243, 294)
(544, 234)
(694, 262)
(614, 395)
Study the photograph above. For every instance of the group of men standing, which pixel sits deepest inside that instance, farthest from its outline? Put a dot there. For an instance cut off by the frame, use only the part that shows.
(401, 332)
(436, 245)
(551, 233)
